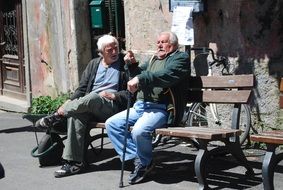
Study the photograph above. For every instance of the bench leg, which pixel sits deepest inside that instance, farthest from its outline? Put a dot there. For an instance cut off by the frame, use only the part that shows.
(269, 162)
(200, 164)
(101, 140)
(101, 137)
(237, 152)
(88, 142)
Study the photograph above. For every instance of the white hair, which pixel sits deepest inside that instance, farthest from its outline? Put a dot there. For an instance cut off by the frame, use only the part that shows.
(104, 41)
(173, 39)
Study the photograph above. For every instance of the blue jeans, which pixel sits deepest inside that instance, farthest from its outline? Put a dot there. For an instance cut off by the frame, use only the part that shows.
(144, 117)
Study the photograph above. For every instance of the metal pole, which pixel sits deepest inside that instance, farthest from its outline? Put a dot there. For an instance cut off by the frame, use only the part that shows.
(126, 128)
(125, 139)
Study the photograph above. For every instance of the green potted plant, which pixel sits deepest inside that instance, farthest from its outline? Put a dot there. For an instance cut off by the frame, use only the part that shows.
(44, 105)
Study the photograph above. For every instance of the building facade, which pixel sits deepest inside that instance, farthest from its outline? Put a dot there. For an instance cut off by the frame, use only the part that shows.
(44, 47)
(55, 41)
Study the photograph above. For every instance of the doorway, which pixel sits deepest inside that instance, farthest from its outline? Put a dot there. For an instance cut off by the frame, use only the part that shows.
(12, 66)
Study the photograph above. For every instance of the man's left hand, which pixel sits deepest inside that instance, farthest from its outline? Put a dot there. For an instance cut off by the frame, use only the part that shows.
(133, 85)
(107, 95)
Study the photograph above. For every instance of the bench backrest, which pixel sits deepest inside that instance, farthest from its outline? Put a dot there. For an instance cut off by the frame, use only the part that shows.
(225, 89)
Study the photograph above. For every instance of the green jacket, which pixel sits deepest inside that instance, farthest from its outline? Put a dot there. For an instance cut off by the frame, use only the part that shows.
(172, 79)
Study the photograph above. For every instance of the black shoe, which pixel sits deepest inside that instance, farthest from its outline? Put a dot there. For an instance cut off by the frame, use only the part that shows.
(48, 121)
(140, 172)
(69, 168)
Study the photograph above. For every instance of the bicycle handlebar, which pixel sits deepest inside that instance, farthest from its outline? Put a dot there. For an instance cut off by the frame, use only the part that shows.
(218, 62)
(205, 50)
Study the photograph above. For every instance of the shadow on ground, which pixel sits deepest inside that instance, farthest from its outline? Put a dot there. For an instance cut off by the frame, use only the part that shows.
(174, 166)
(21, 129)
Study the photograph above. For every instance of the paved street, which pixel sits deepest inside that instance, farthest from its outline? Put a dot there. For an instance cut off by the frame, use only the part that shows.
(174, 166)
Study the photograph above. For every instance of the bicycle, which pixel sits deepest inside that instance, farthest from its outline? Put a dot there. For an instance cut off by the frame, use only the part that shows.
(212, 115)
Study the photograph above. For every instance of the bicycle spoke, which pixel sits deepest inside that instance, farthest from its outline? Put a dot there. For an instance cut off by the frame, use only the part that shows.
(202, 115)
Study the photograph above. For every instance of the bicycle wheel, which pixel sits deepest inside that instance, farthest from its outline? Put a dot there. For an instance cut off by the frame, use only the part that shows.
(201, 115)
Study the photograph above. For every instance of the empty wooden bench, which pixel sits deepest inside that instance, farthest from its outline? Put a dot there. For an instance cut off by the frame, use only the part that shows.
(272, 139)
(221, 92)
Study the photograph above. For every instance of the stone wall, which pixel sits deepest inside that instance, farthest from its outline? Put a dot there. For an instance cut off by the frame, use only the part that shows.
(58, 44)
(249, 33)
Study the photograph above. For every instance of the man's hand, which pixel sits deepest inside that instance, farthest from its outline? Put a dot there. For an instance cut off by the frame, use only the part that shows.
(130, 58)
(60, 110)
(107, 95)
(133, 85)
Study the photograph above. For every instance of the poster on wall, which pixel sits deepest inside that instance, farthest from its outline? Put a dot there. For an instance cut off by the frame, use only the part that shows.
(182, 24)
(197, 4)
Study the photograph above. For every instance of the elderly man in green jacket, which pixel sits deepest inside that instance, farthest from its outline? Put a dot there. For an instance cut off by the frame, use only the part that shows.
(155, 84)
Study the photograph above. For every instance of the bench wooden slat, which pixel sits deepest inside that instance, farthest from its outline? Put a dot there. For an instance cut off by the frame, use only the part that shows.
(220, 96)
(278, 133)
(199, 132)
(99, 125)
(218, 82)
(272, 137)
(96, 125)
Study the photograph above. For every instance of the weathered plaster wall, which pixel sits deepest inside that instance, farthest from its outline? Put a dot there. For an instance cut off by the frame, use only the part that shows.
(248, 32)
(59, 45)
(143, 21)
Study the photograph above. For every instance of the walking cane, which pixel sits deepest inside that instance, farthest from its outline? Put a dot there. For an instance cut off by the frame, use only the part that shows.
(125, 139)
(126, 129)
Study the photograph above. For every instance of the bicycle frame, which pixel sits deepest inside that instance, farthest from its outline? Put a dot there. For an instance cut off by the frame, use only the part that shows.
(213, 107)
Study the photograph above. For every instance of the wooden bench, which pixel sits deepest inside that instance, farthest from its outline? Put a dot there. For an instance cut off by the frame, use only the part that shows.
(221, 93)
(272, 139)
